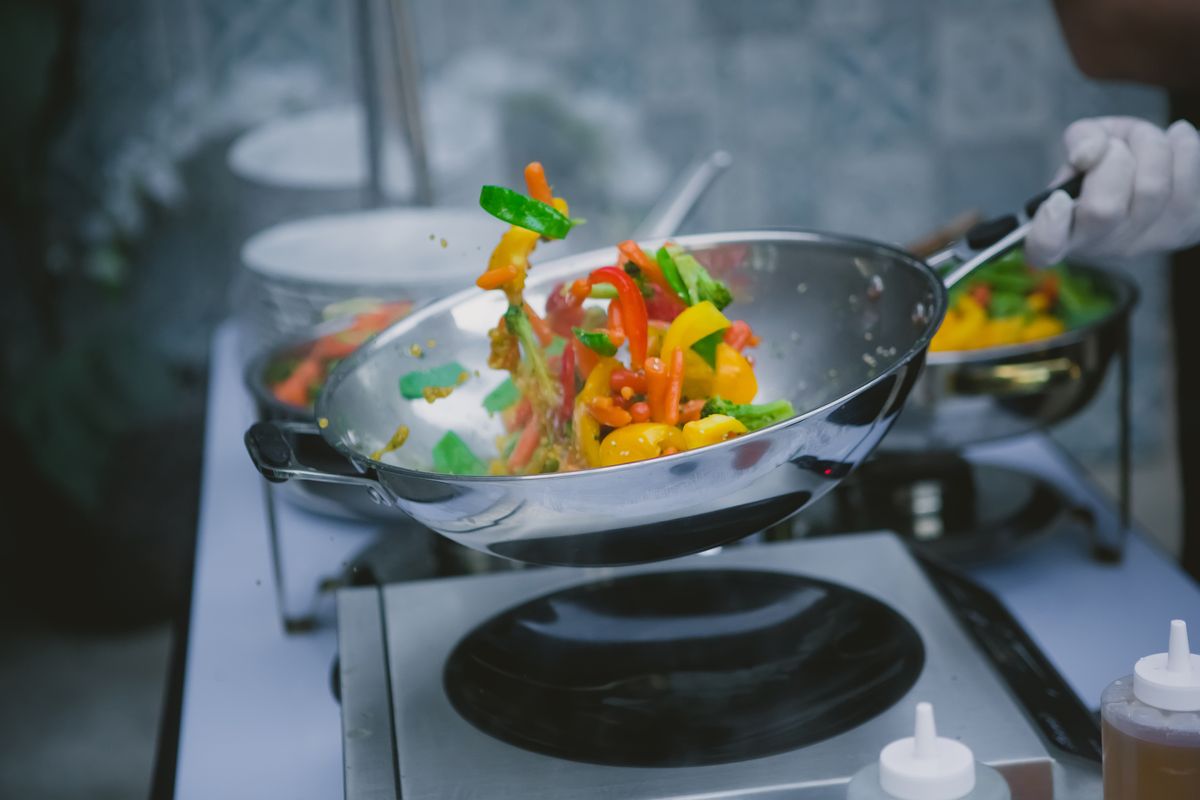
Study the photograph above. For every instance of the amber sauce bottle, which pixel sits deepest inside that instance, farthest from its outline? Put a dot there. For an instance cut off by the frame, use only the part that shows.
(1151, 727)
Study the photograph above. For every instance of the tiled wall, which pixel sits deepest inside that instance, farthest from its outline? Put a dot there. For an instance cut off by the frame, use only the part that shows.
(881, 118)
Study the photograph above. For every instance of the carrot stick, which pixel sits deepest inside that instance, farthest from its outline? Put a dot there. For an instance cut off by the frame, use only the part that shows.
(656, 387)
(294, 389)
(381, 317)
(580, 289)
(339, 345)
(535, 181)
(607, 413)
(622, 379)
(540, 327)
(525, 446)
(495, 278)
(738, 335)
(674, 388)
(516, 418)
(691, 411)
(585, 357)
(649, 267)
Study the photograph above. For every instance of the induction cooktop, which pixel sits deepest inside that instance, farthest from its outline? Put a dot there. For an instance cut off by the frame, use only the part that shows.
(774, 671)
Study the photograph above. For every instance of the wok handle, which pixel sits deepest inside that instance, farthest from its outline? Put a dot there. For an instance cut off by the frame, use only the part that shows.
(271, 444)
(1010, 380)
(679, 201)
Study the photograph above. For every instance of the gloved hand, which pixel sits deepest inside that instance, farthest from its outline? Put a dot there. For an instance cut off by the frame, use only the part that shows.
(1141, 192)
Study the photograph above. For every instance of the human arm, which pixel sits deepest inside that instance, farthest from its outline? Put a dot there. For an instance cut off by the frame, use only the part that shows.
(1147, 41)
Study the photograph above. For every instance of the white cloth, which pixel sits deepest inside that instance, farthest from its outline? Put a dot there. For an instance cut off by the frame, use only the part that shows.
(1141, 192)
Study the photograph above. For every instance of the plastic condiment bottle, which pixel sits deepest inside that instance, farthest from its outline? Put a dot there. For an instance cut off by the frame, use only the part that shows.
(1151, 726)
(927, 767)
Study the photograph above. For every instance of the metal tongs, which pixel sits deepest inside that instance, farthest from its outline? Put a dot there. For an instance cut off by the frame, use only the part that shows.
(994, 237)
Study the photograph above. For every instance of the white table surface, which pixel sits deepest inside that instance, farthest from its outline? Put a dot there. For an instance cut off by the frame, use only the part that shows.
(259, 720)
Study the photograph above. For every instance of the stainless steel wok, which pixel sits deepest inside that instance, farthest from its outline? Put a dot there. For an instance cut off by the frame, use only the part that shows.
(973, 396)
(845, 324)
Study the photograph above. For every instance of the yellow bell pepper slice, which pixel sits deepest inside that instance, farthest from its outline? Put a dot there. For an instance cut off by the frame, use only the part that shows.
(1000, 332)
(948, 333)
(638, 442)
(692, 325)
(734, 379)
(514, 249)
(710, 430)
(697, 375)
(587, 429)
(1042, 326)
(654, 340)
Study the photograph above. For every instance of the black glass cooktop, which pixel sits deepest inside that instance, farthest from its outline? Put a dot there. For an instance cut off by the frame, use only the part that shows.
(683, 669)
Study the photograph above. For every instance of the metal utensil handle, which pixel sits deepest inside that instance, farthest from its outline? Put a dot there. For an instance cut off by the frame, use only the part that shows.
(997, 236)
(269, 443)
(679, 201)
(408, 71)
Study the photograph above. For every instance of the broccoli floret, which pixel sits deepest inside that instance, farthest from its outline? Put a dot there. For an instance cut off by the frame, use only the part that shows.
(713, 290)
(753, 416)
(700, 284)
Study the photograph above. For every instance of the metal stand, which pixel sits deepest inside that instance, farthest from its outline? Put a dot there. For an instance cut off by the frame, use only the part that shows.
(291, 624)
(1108, 544)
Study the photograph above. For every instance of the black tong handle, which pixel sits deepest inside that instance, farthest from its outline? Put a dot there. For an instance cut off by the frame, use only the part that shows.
(1072, 187)
(990, 231)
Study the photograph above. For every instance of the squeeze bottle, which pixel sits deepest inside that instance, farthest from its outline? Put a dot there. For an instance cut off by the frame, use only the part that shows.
(927, 767)
(1151, 726)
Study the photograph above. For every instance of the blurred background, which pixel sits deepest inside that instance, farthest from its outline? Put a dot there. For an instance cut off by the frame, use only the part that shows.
(142, 143)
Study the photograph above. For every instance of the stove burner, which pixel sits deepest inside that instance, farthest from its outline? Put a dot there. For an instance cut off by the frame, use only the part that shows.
(948, 507)
(686, 668)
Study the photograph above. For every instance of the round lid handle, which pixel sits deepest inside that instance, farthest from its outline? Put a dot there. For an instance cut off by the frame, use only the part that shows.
(1171, 680)
(926, 766)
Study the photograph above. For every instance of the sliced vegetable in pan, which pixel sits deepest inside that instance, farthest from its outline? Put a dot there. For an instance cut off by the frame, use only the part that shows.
(416, 384)
(1008, 302)
(647, 350)
(452, 456)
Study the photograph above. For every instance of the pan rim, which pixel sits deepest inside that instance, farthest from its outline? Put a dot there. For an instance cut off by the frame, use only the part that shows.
(1127, 296)
(598, 256)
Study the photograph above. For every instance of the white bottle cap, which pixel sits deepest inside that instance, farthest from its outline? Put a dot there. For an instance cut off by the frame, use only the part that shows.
(927, 767)
(1170, 680)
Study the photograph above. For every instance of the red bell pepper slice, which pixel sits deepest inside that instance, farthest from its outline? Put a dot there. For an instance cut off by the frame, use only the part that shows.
(562, 313)
(633, 310)
(663, 304)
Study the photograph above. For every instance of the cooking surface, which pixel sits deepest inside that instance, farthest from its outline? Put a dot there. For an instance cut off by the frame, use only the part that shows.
(671, 669)
(246, 675)
(442, 754)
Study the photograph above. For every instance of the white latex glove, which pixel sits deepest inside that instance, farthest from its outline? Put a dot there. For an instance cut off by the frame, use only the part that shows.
(1141, 193)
